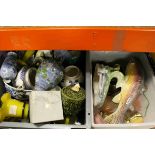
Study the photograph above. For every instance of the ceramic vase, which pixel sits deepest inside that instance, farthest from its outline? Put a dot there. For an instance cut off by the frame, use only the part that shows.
(48, 76)
(8, 69)
(72, 100)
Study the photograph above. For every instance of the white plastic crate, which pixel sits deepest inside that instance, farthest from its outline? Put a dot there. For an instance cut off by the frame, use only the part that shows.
(108, 57)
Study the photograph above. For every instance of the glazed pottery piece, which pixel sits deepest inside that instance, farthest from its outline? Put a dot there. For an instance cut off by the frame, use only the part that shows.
(101, 82)
(19, 81)
(29, 78)
(131, 89)
(67, 57)
(72, 75)
(8, 69)
(49, 75)
(72, 100)
(17, 93)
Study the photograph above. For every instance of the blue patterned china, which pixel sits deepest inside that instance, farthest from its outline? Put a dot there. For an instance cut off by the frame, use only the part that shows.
(8, 69)
(19, 81)
(29, 79)
(17, 93)
(49, 75)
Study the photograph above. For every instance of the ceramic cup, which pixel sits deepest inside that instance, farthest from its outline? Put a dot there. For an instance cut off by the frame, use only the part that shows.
(29, 78)
(72, 75)
(48, 76)
(8, 69)
(72, 100)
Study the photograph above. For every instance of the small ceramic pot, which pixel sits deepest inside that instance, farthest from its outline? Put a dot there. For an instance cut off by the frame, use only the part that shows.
(17, 93)
(72, 100)
(8, 69)
(29, 79)
(72, 75)
(48, 76)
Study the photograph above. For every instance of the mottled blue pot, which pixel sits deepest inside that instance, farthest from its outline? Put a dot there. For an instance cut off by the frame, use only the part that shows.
(49, 75)
(8, 69)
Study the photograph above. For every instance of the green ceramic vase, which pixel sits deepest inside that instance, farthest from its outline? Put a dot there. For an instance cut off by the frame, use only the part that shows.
(72, 100)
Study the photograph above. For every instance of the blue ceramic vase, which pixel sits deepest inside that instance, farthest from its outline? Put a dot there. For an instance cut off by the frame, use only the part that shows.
(8, 69)
(48, 76)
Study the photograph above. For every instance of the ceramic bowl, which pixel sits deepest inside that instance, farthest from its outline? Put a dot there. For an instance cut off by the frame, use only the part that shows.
(17, 93)
(19, 81)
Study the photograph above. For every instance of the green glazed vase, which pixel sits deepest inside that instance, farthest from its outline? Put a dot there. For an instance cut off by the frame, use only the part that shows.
(72, 100)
